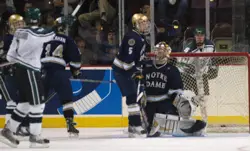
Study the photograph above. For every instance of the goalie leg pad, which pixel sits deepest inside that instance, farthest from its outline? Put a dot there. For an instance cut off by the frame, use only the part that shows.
(164, 123)
(172, 125)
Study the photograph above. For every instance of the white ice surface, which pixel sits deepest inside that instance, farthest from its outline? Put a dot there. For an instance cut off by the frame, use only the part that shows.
(114, 139)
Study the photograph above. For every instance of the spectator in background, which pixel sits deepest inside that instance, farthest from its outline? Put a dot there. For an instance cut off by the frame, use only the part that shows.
(109, 49)
(21, 6)
(87, 56)
(168, 11)
(105, 12)
(59, 8)
(48, 19)
(10, 5)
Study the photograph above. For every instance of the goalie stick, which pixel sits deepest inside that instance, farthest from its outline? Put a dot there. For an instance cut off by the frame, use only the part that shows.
(140, 94)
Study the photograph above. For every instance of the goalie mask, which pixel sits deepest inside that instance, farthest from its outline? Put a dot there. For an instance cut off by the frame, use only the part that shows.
(162, 52)
(15, 21)
(141, 23)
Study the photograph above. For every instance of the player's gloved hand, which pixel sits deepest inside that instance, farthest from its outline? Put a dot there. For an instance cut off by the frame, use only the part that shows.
(137, 75)
(76, 74)
(66, 20)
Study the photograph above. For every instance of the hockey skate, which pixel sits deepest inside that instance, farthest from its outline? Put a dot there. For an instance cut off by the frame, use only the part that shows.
(9, 138)
(157, 134)
(23, 131)
(73, 132)
(36, 141)
(136, 131)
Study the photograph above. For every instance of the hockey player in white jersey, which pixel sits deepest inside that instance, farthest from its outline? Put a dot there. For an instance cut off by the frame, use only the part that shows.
(25, 51)
(197, 71)
(168, 109)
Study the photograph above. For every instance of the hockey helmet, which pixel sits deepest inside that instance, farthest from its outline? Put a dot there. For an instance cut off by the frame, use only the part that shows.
(162, 50)
(15, 21)
(199, 34)
(141, 23)
(33, 15)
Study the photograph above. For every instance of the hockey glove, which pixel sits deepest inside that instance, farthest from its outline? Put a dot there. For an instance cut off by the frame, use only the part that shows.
(76, 73)
(137, 75)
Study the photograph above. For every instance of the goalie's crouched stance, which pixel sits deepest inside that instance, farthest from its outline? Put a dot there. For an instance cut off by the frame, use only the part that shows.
(179, 125)
(168, 108)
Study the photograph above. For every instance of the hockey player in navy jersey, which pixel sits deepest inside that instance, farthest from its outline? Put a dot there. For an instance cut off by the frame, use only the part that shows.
(25, 52)
(166, 100)
(125, 67)
(161, 81)
(58, 53)
(8, 84)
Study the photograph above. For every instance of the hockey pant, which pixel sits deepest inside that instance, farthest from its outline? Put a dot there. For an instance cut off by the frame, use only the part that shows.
(128, 88)
(57, 78)
(31, 102)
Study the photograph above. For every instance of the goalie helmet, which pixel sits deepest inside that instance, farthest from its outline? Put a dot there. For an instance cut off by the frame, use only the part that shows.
(141, 23)
(15, 21)
(162, 52)
(33, 16)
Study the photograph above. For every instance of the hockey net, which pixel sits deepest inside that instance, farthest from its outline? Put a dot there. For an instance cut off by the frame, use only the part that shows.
(221, 80)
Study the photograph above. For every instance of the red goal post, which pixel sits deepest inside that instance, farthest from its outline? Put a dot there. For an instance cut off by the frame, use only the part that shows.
(222, 81)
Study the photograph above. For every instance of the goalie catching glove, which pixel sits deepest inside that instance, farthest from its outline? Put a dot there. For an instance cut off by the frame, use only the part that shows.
(185, 104)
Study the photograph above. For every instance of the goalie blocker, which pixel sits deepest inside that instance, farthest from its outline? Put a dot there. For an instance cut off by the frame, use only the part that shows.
(182, 125)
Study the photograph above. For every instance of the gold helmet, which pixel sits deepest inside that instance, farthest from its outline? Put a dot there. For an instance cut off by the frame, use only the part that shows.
(141, 23)
(15, 21)
(162, 51)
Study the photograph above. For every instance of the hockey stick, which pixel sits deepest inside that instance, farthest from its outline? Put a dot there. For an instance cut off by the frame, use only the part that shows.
(6, 64)
(92, 81)
(140, 97)
(50, 97)
(77, 8)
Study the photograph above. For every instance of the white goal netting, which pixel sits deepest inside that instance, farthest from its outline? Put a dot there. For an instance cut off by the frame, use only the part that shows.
(221, 80)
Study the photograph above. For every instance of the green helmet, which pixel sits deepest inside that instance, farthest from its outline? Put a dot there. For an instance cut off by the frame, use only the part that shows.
(199, 31)
(33, 15)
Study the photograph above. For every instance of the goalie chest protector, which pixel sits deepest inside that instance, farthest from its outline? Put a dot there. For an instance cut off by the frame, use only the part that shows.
(160, 80)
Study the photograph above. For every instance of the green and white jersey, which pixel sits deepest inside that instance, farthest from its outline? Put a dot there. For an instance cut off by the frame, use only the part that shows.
(207, 47)
(27, 46)
(196, 64)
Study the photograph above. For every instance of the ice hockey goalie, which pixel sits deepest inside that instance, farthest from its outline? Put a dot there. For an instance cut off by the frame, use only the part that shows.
(168, 108)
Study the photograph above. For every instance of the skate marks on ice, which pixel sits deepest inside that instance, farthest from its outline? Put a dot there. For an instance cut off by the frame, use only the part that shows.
(114, 139)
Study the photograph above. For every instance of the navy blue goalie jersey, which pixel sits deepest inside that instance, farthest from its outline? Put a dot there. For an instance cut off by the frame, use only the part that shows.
(161, 82)
(130, 53)
(61, 50)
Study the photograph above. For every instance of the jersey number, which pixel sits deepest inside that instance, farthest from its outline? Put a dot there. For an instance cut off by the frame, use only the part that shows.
(58, 52)
(130, 50)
